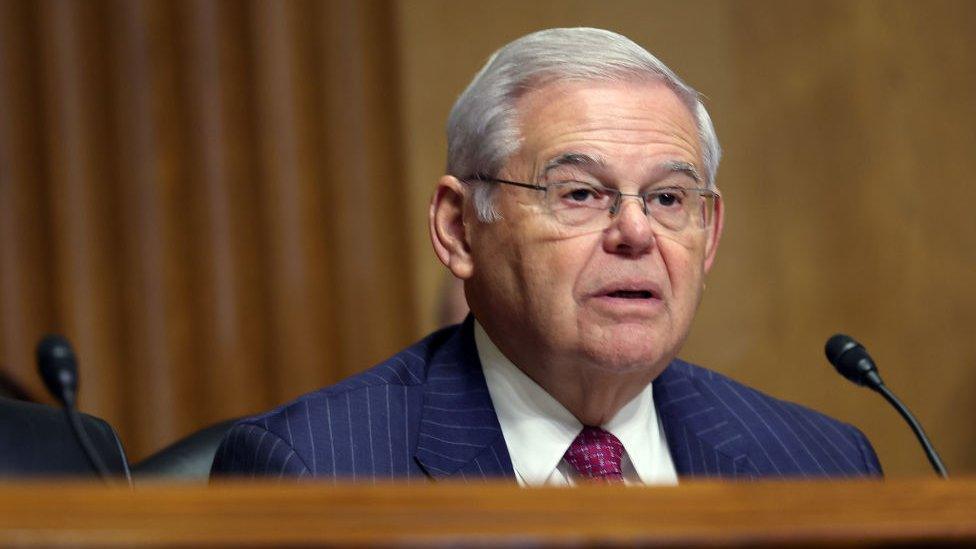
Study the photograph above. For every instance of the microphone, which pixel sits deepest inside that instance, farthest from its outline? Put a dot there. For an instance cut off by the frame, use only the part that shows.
(852, 361)
(59, 370)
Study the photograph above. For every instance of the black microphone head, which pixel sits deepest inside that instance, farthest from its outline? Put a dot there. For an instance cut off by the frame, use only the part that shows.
(58, 368)
(852, 360)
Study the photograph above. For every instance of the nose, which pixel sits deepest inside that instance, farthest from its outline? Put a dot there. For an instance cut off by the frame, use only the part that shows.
(630, 231)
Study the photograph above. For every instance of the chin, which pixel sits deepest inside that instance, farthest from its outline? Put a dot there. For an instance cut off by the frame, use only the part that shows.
(627, 348)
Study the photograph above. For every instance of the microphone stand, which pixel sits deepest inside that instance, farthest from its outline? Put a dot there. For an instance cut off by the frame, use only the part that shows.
(930, 452)
(74, 419)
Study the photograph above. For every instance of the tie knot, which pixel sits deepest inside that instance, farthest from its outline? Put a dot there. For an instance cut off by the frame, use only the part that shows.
(596, 455)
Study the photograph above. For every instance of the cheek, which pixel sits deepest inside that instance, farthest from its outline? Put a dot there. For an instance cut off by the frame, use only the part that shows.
(685, 266)
(684, 255)
(517, 270)
(548, 273)
(559, 265)
(493, 255)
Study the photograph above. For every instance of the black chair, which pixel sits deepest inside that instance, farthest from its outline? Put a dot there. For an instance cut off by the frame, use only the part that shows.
(188, 459)
(36, 439)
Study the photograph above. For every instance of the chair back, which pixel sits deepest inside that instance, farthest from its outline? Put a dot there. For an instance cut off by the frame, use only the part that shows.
(36, 440)
(188, 459)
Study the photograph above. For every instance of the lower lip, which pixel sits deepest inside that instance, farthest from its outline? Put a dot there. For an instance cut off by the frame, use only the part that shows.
(623, 305)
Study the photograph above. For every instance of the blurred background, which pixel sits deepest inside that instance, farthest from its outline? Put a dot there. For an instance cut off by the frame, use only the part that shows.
(223, 204)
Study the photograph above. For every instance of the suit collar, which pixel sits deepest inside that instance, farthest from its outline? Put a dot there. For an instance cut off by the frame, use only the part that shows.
(459, 434)
(703, 436)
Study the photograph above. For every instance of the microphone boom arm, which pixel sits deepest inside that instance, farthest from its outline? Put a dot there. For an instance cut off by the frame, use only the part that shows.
(74, 419)
(930, 452)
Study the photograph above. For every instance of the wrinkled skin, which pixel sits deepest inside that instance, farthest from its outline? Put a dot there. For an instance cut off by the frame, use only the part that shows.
(544, 292)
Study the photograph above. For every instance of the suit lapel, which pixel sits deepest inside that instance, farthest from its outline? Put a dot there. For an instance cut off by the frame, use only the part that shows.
(459, 434)
(703, 437)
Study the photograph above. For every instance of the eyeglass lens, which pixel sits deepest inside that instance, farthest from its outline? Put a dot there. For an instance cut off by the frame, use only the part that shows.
(674, 208)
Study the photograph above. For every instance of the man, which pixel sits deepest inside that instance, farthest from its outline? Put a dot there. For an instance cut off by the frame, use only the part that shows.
(581, 212)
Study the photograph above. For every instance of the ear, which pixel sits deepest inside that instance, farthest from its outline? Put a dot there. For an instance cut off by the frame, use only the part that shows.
(448, 233)
(714, 234)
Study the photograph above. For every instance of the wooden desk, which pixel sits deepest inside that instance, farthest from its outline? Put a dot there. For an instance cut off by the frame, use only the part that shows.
(265, 515)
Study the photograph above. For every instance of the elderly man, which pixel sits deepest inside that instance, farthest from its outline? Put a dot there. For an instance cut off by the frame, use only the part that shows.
(581, 212)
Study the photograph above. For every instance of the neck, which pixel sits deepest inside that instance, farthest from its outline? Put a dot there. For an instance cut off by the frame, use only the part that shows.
(593, 396)
(591, 392)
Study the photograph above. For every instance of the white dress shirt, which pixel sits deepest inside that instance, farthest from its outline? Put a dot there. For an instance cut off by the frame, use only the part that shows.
(538, 429)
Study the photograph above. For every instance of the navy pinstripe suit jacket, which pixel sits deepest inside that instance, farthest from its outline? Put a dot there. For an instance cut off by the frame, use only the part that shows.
(426, 413)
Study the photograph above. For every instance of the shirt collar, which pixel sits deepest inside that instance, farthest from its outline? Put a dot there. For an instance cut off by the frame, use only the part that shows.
(538, 429)
(638, 428)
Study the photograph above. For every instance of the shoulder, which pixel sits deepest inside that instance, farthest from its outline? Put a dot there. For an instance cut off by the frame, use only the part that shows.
(292, 438)
(736, 395)
(791, 437)
(407, 368)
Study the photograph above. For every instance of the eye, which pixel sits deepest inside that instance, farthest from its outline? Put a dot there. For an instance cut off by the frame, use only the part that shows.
(577, 193)
(671, 197)
(580, 195)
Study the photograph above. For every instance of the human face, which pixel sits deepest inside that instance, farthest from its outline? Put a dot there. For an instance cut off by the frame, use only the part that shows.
(619, 299)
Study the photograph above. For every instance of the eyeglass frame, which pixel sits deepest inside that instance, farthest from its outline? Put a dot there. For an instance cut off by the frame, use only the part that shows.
(617, 193)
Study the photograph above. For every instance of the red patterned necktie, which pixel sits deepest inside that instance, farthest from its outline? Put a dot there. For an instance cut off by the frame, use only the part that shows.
(596, 454)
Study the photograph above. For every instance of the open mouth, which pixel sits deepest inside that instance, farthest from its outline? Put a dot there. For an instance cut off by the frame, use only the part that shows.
(631, 294)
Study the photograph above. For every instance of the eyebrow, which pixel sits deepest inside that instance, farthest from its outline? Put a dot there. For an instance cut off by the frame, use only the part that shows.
(573, 159)
(582, 159)
(679, 166)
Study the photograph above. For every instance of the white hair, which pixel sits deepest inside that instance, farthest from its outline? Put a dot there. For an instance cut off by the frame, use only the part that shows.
(482, 132)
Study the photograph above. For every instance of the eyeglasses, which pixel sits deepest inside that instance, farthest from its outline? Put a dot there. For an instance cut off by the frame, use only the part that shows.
(582, 205)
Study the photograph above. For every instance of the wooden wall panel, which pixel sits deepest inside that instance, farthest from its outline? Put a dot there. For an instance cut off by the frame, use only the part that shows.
(154, 204)
(845, 124)
(82, 236)
(292, 196)
(362, 144)
(25, 259)
(233, 338)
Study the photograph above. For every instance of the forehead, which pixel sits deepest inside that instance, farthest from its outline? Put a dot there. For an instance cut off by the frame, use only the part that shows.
(625, 125)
